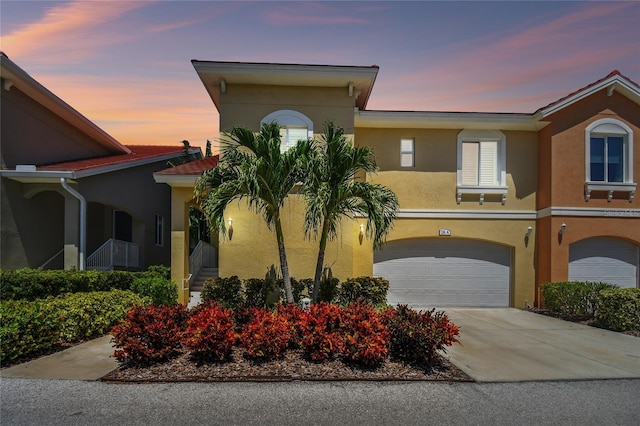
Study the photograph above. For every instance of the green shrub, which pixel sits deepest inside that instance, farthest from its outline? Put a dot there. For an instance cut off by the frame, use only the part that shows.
(84, 315)
(26, 328)
(327, 291)
(227, 292)
(370, 290)
(161, 290)
(619, 309)
(257, 291)
(573, 299)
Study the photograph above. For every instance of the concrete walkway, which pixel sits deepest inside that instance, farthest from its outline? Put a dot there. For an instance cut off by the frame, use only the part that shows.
(498, 345)
(512, 345)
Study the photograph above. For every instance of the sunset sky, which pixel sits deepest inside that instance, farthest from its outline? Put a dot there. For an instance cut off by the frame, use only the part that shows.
(126, 64)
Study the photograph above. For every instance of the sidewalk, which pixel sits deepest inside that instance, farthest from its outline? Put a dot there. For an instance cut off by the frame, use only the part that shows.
(87, 361)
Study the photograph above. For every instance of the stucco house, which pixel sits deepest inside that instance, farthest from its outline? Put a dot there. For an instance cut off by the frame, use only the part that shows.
(72, 196)
(492, 205)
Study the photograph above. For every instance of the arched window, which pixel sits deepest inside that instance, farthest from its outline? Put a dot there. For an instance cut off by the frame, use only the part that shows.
(295, 126)
(609, 157)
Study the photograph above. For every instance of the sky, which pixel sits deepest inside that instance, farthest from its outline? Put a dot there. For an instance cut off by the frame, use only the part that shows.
(126, 65)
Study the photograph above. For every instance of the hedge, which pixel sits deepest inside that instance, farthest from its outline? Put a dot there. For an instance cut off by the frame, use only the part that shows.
(619, 309)
(573, 299)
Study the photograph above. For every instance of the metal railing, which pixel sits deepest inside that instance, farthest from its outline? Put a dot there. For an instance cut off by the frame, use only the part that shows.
(51, 259)
(114, 253)
(203, 256)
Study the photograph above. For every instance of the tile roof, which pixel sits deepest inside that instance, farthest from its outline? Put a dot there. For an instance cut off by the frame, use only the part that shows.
(192, 168)
(589, 86)
(139, 152)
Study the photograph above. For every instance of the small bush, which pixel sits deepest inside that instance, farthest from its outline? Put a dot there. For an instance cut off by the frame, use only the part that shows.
(84, 315)
(370, 290)
(257, 291)
(573, 299)
(149, 334)
(293, 315)
(321, 329)
(209, 334)
(619, 309)
(366, 336)
(266, 337)
(26, 328)
(416, 337)
(161, 290)
(227, 292)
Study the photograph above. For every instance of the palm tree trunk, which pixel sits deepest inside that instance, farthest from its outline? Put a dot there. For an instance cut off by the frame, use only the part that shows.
(284, 266)
(320, 263)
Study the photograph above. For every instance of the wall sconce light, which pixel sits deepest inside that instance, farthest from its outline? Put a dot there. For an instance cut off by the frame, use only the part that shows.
(230, 229)
(361, 235)
(529, 231)
(563, 228)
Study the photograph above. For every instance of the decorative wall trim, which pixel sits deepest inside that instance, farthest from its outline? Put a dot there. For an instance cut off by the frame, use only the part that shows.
(467, 214)
(589, 212)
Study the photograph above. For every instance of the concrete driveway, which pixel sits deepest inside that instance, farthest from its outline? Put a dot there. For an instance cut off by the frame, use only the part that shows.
(509, 345)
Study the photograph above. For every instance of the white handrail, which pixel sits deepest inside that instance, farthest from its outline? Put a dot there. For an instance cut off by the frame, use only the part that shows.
(186, 280)
(51, 258)
(114, 253)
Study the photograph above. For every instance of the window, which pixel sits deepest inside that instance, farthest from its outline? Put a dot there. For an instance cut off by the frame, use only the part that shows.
(481, 164)
(159, 231)
(609, 158)
(406, 153)
(295, 126)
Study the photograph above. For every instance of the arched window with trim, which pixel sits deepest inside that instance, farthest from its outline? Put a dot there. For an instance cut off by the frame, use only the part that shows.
(295, 126)
(609, 158)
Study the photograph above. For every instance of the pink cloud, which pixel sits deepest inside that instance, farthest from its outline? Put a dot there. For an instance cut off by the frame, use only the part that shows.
(67, 24)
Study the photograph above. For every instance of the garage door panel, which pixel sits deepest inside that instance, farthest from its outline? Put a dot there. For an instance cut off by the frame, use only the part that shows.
(604, 259)
(443, 273)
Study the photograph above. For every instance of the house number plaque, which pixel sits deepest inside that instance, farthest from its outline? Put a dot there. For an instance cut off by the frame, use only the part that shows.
(445, 232)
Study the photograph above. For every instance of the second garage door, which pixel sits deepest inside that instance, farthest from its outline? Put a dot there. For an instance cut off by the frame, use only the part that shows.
(603, 259)
(445, 272)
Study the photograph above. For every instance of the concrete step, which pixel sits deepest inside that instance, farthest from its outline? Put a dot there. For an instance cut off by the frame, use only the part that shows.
(205, 274)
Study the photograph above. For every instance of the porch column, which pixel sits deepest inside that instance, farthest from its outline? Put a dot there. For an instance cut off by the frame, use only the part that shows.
(71, 231)
(180, 198)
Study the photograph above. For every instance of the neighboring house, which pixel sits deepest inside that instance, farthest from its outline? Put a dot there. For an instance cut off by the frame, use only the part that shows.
(492, 205)
(71, 194)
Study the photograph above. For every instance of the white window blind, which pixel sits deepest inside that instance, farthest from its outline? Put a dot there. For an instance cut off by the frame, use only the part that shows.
(290, 136)
(406, 152)
(479, 163)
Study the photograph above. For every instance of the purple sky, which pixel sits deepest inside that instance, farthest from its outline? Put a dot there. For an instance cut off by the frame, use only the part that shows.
(126, 64)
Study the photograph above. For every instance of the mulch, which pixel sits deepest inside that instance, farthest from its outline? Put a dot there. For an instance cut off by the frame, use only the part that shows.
(292, 366)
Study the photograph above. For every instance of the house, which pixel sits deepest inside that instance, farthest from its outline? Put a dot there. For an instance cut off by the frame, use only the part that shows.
(71, 195)
(492, 205)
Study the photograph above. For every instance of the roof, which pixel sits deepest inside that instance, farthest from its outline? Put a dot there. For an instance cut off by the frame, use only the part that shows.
(16, 78)
(615, 81)
(192, 168)
(216, 75)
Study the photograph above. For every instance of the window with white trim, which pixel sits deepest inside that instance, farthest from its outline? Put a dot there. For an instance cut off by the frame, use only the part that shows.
(609, 158)
(481, 164)
(295, 126)
(159, 230)
(406, 152)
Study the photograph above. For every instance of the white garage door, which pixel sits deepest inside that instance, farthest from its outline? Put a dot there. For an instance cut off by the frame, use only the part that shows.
(445, 272)
(603, 259)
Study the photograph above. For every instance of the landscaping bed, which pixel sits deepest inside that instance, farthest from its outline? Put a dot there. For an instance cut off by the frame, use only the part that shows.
(290, 367)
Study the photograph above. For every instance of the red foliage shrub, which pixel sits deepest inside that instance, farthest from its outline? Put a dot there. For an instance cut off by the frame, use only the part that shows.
(149, 334)
(209, 333)
(366, 336)
(293, 314)
(267, 336)
(416, 337)
(321, 331)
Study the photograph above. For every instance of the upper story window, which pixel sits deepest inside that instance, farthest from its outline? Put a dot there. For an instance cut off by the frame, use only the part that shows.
(295, 126)
(407, 153)
(481, 164)
(609, 158)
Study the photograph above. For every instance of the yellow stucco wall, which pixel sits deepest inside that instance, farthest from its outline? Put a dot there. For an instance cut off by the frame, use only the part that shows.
(253, 249)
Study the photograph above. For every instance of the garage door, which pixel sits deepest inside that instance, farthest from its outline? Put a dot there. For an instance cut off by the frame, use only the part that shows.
(603, 259)
(445, 272)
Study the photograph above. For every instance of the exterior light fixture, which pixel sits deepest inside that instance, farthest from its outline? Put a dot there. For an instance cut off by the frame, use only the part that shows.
(361, 235)
(529, 231)
(563, 228)
(230, 229)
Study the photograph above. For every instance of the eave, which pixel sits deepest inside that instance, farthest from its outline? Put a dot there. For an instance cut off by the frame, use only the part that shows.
(446, 120)
(217, 75)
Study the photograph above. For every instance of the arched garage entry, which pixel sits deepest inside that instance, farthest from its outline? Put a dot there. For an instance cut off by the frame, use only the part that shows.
(445, 272)
(604, 259)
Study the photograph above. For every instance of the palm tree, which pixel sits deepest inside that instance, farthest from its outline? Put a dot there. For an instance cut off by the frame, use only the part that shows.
(332, 192)
(253, 167)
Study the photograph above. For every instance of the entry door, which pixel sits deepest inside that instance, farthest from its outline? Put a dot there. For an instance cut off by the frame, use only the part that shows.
(122, 226)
